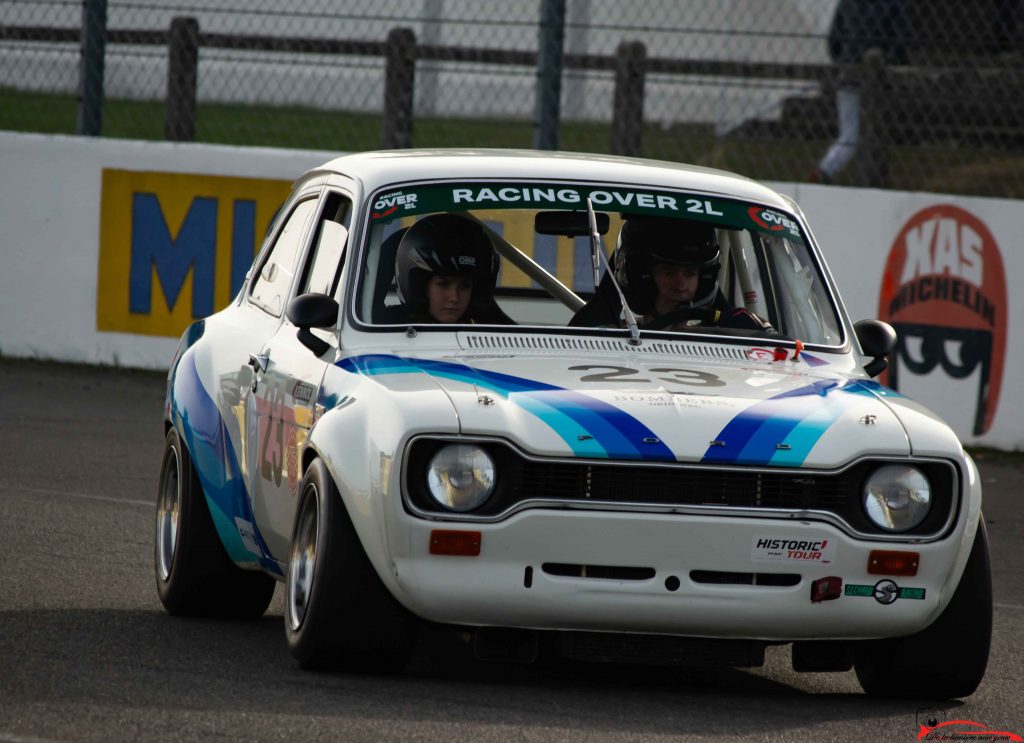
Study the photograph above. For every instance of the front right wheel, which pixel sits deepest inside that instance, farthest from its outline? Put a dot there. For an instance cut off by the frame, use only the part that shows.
(947, 659)
(338, 613)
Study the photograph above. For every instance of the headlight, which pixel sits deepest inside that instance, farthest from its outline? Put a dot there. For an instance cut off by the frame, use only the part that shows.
(460, 477)
(897, 497)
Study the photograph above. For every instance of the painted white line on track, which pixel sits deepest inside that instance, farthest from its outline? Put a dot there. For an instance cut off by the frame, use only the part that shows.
(71, 494)
(1009, 606)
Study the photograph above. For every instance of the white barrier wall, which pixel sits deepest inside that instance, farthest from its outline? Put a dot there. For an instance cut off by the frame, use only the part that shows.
(79, 283)
(51, 189)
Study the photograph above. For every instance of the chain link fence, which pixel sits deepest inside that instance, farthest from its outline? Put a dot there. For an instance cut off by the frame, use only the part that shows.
(908, 94)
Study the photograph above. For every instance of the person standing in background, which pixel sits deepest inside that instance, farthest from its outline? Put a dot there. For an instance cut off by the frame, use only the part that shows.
(859, 25)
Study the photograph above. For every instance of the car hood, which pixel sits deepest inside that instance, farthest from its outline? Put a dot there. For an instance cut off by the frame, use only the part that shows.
(668, 409)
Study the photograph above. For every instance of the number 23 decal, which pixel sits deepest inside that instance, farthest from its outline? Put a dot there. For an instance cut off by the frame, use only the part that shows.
(625, 374)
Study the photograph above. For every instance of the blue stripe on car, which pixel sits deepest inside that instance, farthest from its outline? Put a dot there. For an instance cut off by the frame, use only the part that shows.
(797, 419)
(590, 427)
(200, 424)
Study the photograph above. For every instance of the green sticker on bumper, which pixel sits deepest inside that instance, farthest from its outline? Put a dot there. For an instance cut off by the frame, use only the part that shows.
(884, 592)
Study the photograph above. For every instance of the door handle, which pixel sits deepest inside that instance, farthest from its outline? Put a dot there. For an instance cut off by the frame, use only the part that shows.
(258, 364)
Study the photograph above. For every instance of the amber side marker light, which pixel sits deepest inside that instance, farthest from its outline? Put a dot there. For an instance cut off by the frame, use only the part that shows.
(891, 562)
(451, 542)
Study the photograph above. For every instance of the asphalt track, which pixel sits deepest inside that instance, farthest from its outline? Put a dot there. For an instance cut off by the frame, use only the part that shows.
(87, 653)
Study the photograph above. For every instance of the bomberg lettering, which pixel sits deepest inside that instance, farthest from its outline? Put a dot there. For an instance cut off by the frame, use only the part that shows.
(467, 260)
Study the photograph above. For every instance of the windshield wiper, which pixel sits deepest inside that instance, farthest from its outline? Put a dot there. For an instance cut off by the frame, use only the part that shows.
(597, 255)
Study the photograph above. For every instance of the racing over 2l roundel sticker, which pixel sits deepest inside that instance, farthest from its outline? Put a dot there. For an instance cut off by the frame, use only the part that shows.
(944, 291)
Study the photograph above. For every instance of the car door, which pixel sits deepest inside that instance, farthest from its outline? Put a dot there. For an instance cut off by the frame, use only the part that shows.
(261, 312)
(287, 385)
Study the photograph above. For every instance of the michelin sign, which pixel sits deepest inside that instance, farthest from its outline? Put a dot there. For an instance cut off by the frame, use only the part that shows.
(176, 247)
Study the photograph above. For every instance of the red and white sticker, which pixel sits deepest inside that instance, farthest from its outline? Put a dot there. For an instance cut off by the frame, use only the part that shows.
(789, 550)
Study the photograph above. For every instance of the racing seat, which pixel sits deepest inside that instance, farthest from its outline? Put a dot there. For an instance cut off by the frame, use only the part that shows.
(382, 313)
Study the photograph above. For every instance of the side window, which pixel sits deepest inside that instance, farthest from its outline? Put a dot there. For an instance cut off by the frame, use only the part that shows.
(323, 269)
(270, 290)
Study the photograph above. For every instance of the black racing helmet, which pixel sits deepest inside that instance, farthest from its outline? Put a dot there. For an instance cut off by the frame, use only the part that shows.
(445, 245)
(645, 241)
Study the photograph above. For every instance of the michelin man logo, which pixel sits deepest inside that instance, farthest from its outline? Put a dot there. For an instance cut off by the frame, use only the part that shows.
(944, 291)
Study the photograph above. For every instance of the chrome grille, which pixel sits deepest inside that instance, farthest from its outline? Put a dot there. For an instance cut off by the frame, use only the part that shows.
(671, 486)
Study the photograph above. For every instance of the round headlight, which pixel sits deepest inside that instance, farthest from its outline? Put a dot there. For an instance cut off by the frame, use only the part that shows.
(460, 477)
(897, 497)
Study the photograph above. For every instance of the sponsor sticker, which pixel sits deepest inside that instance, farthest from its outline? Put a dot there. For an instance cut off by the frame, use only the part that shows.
(884, 592)
(303, 392)
(389, 203)
(789, 550)
(248, 534)
(773, 221)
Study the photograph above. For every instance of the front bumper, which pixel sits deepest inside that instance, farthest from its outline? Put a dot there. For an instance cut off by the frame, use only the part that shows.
(508, 585)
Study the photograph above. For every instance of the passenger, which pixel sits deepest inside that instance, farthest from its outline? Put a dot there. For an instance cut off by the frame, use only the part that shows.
(446, 269)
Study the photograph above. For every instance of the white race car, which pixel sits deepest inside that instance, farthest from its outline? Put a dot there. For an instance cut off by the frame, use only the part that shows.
(439, 397)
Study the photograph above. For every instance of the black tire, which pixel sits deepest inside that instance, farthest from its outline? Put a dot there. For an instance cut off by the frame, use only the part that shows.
(338, 614)
(948, 658)
(194, 575)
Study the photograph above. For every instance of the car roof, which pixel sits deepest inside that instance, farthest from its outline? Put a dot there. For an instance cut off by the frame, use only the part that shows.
(382, 168)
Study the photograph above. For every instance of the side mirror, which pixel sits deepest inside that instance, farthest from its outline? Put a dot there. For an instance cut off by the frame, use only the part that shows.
(877, 339)
(312, 311)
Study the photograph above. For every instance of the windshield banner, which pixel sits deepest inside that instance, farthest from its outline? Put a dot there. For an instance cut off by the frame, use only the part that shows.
(398, 203)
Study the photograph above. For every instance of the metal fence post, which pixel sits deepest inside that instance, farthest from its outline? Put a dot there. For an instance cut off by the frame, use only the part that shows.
(399, 89)
(90, 67)
(182, 75)
(628, 113)
(549, 74)
(873, 158)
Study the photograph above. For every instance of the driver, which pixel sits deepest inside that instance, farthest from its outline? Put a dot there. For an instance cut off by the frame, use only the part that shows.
(668, 266)
(446, 269)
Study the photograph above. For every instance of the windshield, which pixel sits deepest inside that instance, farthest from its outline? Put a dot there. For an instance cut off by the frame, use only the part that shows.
(520, 253)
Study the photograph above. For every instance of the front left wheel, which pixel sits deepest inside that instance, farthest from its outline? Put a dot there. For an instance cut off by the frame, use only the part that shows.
(947, 659)
(338, 613)
(194, 575)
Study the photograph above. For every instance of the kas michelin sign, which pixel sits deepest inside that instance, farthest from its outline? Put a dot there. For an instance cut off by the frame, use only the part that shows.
(944, 291)
(176, 247)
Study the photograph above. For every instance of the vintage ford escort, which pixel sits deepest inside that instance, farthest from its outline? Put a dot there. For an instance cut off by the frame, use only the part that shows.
(602, 407)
